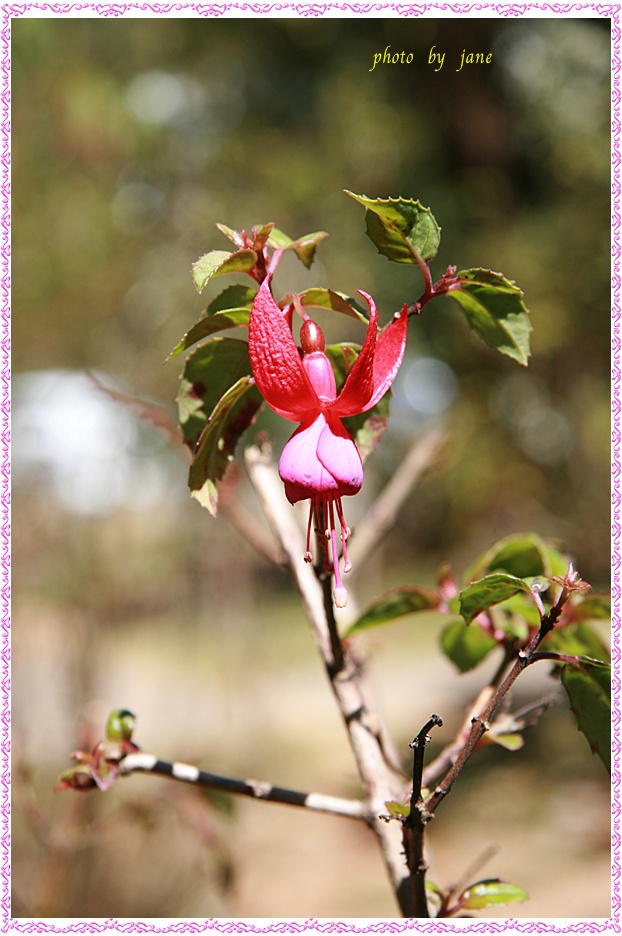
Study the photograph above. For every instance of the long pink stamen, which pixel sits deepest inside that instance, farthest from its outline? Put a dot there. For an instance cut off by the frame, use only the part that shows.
(340, 594)
(308, 555)
(347, 565)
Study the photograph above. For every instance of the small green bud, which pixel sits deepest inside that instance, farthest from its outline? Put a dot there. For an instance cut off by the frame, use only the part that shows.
(120, 725)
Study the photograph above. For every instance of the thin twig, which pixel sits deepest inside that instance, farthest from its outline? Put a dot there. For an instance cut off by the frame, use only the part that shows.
(148, 763)
(481, 723)
(416, 821)
(345, 675)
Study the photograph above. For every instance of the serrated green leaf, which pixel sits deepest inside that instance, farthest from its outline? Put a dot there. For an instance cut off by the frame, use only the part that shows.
(398, 602)
(398, 809)
(524, 555)
(488, 591)
(320, 298)
(231, 416)
(400, 228)
(494, 308)
(490, 892)
(208, 373)
(589, 692)
(466, 646)
(219, 262)
(365, 428)
(234, 318)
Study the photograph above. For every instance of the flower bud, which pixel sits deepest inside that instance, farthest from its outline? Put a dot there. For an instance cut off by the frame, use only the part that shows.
(311, 337)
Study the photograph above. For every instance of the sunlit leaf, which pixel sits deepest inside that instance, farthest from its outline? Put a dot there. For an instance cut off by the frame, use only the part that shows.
(233, 297)
(400, 228)
(304, 247)
(466, 646)
(262, 233)
(490, 892)
(329, 299)
(523, 555)
(208, 373)
(219, 262)
(231, 416)
(400, 601)
(510, 741)
(234, 236)
(398, 809)
(233, 318)
(589, 692)
(494, 308)
(488, 591)
(434, 893)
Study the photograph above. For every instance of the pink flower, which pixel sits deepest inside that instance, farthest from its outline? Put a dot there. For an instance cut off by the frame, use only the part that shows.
(321, 461)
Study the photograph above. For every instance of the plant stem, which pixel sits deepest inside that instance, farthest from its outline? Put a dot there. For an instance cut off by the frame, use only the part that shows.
(481, 723)
(148, 763)
(415, 823)
(346, 677)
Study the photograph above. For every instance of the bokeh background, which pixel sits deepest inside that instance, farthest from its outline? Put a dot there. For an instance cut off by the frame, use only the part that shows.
(131, 139)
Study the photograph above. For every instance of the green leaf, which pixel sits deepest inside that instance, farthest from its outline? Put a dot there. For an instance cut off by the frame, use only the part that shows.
(398, 809)
(233, 297)
(329, 299)
(234, 236)
(488, 591)
(278, 240)
(589, 692)
(219, 262)
(577, 640)
(365, 428)
(231, 416)
(396, 603)
(592, 608)
(208, 373)
(230, 309)
(466, 646)
(524, 555)
(510, 741)
(490, 892)
(304, 247)
(400, 228)
(520, 613)
(234, 318)
(494, 308)
(262, 233)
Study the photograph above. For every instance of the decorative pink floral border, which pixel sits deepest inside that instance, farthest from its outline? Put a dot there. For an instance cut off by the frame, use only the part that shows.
(17, 10)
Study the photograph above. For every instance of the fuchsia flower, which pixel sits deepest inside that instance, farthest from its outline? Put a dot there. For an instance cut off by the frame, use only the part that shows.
(321, 461)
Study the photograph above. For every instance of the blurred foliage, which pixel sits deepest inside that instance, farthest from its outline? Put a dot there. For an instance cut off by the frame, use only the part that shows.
(131, 139)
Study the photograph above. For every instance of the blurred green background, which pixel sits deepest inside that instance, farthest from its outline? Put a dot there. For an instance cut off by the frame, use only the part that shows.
(130, 140)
